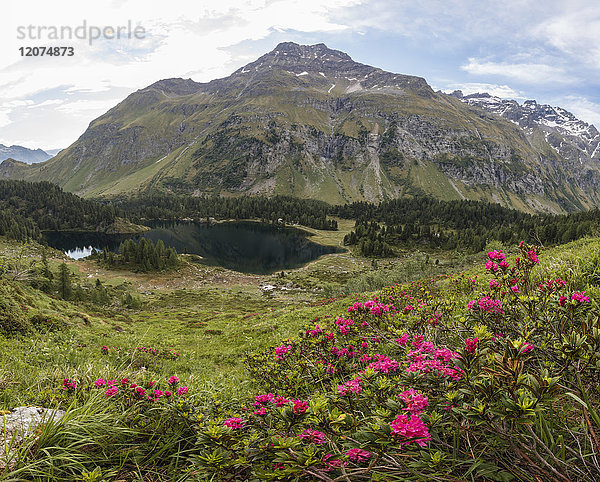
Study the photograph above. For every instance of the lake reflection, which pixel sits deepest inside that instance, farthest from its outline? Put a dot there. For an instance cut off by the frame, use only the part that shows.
(79, 253)
(242, 246)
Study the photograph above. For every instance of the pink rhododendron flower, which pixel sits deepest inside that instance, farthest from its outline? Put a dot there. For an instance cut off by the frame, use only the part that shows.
(486, 304)
(497, 255)
(358, 455)
(471, 345)
(69, 384)
(282, 350)
(427, 347)
(403, 339)
(384, 364)
(374, 306)
(100, 382)
(352, 386)
(437, 361)
(533, 256)
(415, 402)
(262, 399)
(491, 266)
(410, 428)
(562, 300)
(234, 423)
(580, 297)
(173, 380)
(279, 401)
(527, 347)
(435, 319)
(331, 464)
(182, 390)
(312, 436)
(315, 331)
(515, 289)
(344, 325)
(111, 391)
(300, 407)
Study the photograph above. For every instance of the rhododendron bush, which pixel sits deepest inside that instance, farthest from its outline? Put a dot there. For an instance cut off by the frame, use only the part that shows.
(419, 383)
(453, 378)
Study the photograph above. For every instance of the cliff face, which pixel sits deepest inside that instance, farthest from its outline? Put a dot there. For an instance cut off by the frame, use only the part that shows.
(575, 142)
(557, 124)
(311, 122)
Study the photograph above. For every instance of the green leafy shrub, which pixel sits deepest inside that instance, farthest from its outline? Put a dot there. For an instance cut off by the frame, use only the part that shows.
(13, 316)
(43, 322)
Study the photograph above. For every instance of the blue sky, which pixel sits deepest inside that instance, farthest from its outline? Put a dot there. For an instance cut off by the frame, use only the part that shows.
(521, 49)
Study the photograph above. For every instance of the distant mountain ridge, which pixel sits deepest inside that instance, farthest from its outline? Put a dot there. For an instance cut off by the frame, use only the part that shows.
(559, 125)
(308, 121)
(20, 153)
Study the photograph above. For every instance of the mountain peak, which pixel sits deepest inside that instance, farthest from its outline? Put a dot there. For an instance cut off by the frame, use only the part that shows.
(176, 86)
(298, 58)
(320, 51)
(329, 68)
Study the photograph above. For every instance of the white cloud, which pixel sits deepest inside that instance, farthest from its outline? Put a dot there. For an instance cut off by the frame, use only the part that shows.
(502, 91)
(526, 44)
(46, 103)
(7, 108)
(82, 105)
(574, 30)
(529, 73)
(190, 38)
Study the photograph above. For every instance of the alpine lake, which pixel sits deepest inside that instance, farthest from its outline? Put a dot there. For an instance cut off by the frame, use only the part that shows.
(245, 246)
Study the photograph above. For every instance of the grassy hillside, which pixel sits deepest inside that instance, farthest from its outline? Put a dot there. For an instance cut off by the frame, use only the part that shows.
(479, 418)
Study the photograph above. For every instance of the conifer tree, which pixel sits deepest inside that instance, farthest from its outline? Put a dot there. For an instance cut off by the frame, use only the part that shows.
(64, 286)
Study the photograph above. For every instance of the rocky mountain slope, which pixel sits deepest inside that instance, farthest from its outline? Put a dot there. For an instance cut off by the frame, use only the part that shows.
(572, 138)
(311, 122)
(19, 153)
